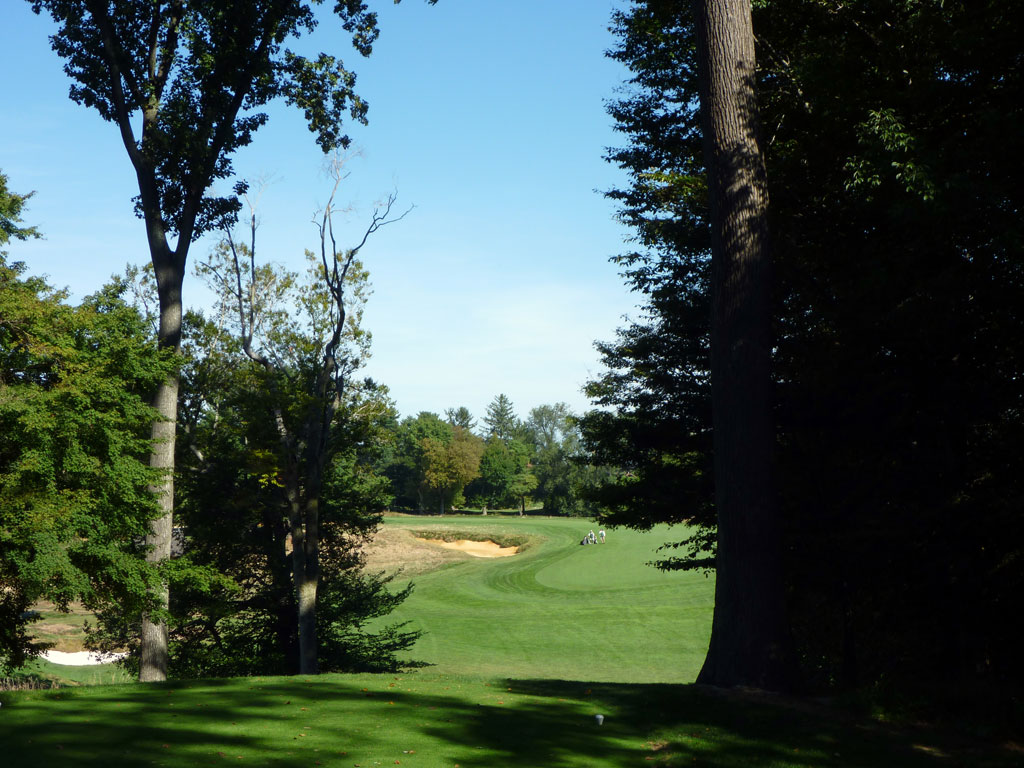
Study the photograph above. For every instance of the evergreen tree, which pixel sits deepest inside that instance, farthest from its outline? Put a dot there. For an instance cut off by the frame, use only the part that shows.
(500, 419)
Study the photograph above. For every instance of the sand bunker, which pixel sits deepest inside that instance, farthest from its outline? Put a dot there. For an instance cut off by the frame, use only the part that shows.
(475, 548)
(80, 658)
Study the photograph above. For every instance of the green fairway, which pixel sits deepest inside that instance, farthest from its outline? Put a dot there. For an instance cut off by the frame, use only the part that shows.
(558, 609)
(524, 652)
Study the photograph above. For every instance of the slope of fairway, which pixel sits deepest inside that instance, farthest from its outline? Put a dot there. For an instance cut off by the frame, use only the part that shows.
(558, 609)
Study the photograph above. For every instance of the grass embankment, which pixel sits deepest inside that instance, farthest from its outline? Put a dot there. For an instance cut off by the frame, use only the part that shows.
(40, 673)
(527, 649)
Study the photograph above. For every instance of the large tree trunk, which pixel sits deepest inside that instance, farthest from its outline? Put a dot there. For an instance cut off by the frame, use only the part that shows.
(304, 524)
(749, 638)
(153, 639)
(309, 643)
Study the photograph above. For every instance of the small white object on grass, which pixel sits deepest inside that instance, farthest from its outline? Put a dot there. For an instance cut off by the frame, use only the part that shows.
(599, 719)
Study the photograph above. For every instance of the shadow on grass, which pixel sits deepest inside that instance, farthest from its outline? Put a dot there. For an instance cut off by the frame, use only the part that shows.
(690, 725)
(299, 724)
(335, 720)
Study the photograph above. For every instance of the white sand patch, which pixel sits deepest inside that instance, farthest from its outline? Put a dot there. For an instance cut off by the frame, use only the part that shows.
(81, 658)
(475, 548)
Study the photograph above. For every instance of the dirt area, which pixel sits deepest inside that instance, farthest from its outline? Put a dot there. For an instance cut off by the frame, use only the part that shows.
(475, 548)
(398, 548)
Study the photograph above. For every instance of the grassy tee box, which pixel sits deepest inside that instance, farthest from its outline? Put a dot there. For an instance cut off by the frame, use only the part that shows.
(429, 720)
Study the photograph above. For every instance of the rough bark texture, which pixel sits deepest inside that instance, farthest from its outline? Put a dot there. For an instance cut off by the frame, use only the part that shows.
(748, 636)
(153, 640)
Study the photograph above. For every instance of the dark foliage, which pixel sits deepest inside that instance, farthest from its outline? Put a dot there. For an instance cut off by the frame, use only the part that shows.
(892, 143)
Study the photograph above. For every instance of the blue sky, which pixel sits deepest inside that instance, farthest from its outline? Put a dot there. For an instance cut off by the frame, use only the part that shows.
(486, 115)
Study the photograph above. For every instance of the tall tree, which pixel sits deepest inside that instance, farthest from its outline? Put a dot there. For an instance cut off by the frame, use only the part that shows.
(74, 500)
(307, 358)
(234, 500)
(504, 465)
(460, 417)
(895, 295)
(448, 465)
(749, 643)
(562, 469)
(406, 464)
(500, 419)
(194, 75)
